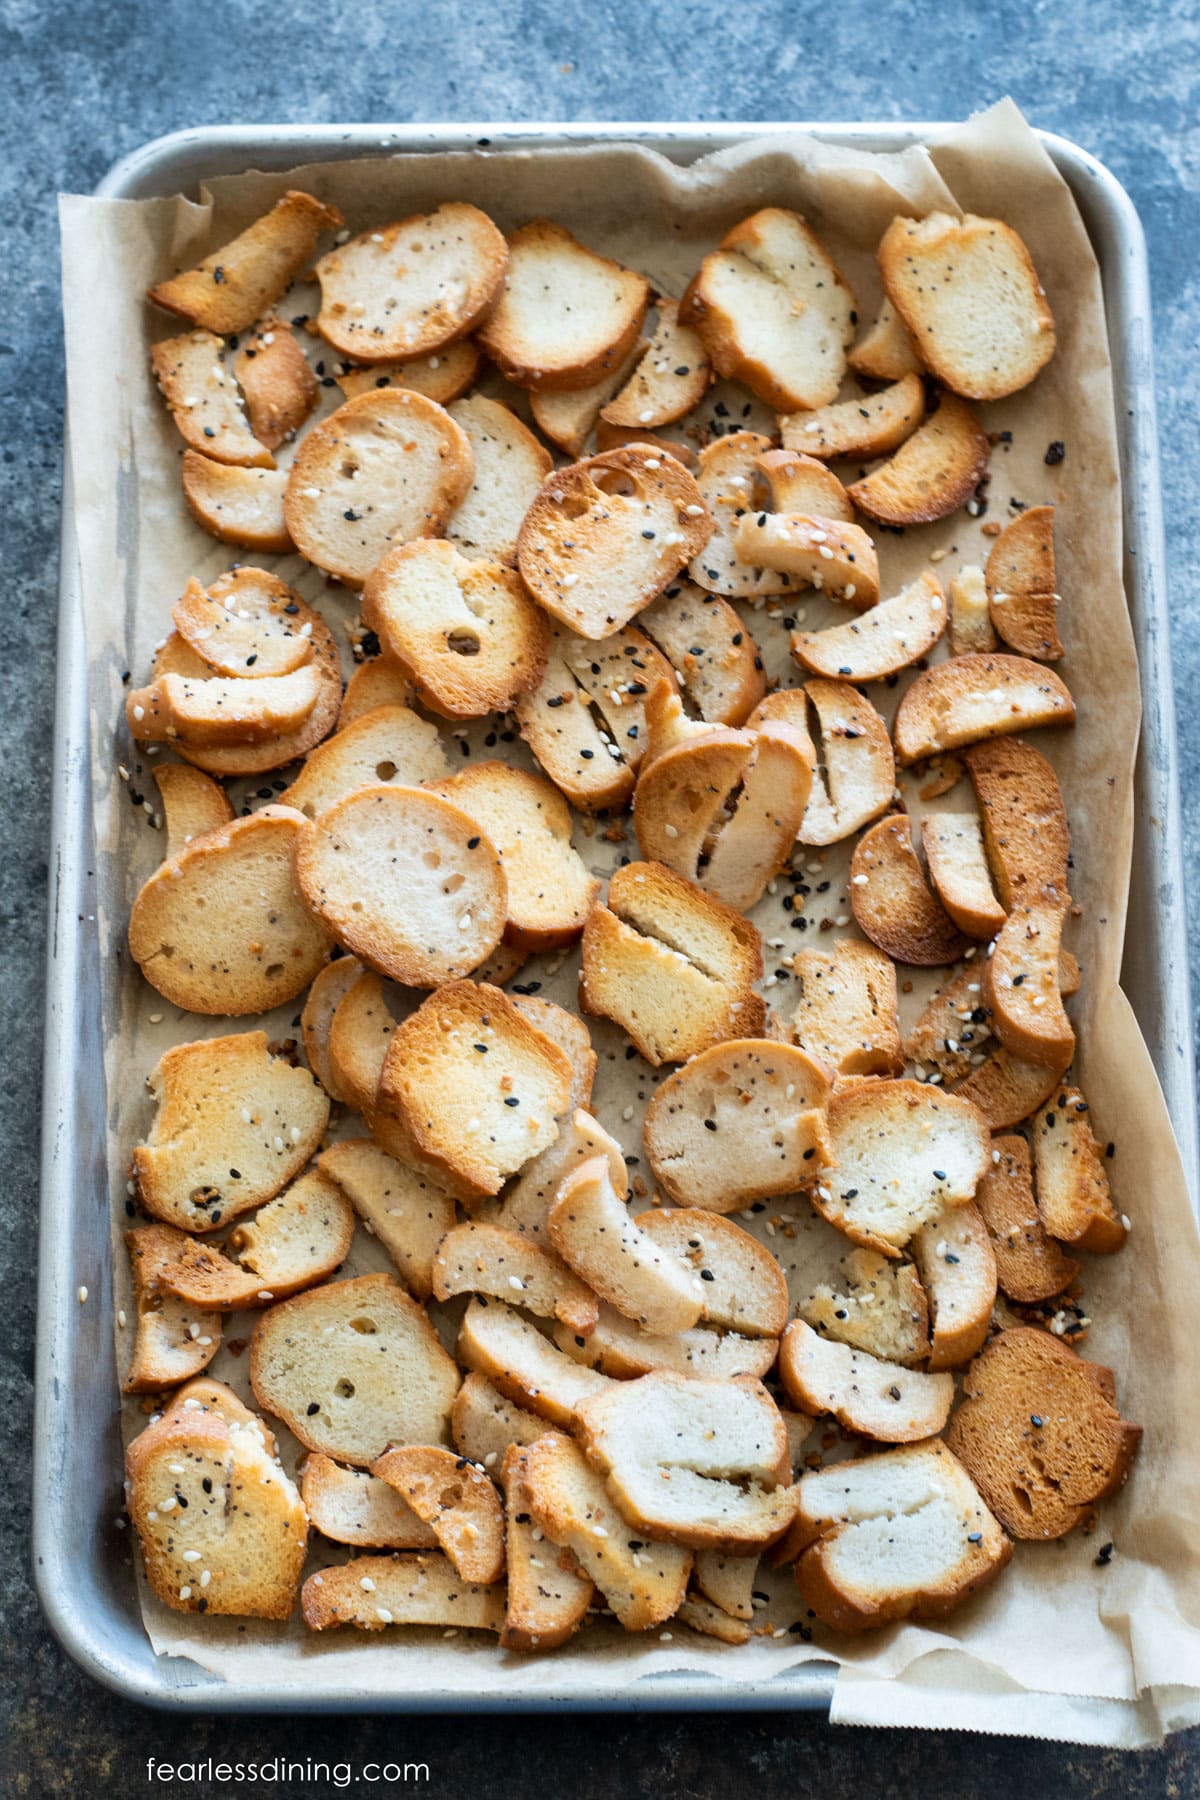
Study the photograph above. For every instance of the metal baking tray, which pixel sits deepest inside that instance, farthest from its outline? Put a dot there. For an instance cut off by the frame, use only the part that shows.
(81, 1556)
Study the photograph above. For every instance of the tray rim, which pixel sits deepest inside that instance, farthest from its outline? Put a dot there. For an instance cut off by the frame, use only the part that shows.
(116, 1652)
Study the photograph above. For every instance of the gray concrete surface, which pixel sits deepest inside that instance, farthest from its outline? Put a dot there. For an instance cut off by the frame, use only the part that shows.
(84, 84)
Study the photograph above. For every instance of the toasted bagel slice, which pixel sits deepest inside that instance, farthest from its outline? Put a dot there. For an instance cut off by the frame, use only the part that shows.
(351, 1506)
(1024, 820)
(193, 803)
(280, 388)
(1021, 985)
(434, 924)
(458, 1502)
(855, 770)
(409, 288)
(892, 636)
(569, 416)
(238, 505)
(563, 315)
(971, 632)
(1074, 1200)
(875, 1398)
(223, 927)
(801, 484)
(1021, 585)
(1030, 1264)
(902, 1534)
(742, 1121)
(932, 474)
(867, 426)
(670, 379)
(174, 1340)
(197, 382)
(384, 469)
(408, 1214)
(958, 869)
(242, 280)
(958, 1271)
(774, 311)
(465, 633)
(838, 560)
(510, 466)
(885, 351)
(418, 1587)
(968, 292)
(893, 905)
(389, 744)
(902, 1152)
(443, 375)
(590, 1227)
(717, 661)
(248, 623)
(845, 1016)
(548, 1596)
(731, 485)
(604, 537)
(970, 698)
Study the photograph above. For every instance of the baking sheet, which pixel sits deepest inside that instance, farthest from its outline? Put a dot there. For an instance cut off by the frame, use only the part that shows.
(137, 550)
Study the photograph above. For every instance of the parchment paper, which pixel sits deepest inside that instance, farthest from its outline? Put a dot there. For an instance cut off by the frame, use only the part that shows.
(1059, 1647)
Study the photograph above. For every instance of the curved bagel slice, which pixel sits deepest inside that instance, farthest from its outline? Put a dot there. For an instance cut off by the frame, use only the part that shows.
(732, 484)
(717, 661)
(959, 873)
(901, 1534)
(563, 315)
(619, 1348)
(968, 292)
(932, 474)
(465, 633)
(443, 375)
(724, 810)
(590, 1227)
(604, 537)
(223, 927)
(837, 560)
(846, 1009)
(204, 401)
(237, 505)
(1030, 1264)
(248, 623)
(193, 804)
(740, 1122)
(672, 966)
(952, 1027)
(893, 635)
(643, 1582)
(352, 1367)
(744, 1287)
(670, 379)
(173, 1340)
(410, 287)
(860, 1298)
(958, 1271)
(697, 1463)
(970, 698)
(388, 744)
(1024, 820)
(876, 1399)
(892, 903)
(1006, 1090)
(218, 710)
(512, 1354)
(279, 387)
(242, 279)
(902, 1152)
(550, 889)
(586, 720)
(224, 1105)
(774, 311)
(384, 469)
(800, 484)
(1020, 580)
(330, 987)
(359, 1031)
(174, 657)
(510, 467)
(470, 1090)
(408, 1215)
(455, 1499)
(855, 771)
(1040, 1434)
(487, 1258)
(295, 1241)
(547, 1597)
(531, 1194)
(350, 1506)
(407, 1588)
(221, 1527)
(1021, 984)
(406, 881)
(1074, 1200)
(866, 426)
